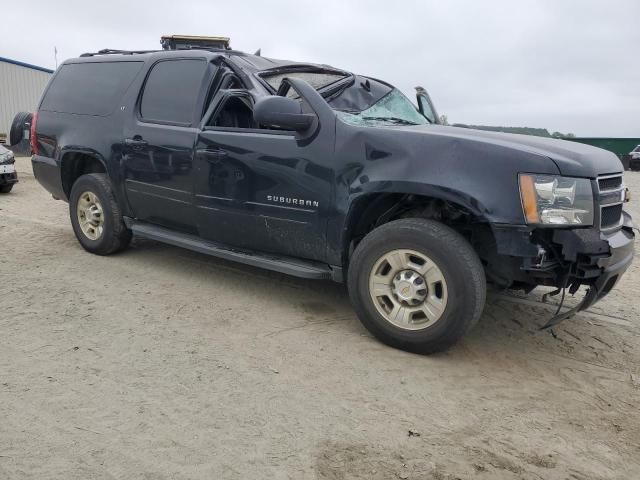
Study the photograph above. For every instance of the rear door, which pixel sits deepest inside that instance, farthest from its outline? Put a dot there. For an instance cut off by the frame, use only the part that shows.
(159, 139)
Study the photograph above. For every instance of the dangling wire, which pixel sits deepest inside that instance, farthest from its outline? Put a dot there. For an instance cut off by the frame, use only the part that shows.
(564, 289)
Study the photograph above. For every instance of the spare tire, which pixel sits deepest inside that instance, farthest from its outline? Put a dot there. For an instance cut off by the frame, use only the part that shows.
(16, 135)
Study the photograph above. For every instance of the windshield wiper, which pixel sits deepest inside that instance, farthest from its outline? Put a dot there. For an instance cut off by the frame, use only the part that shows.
(333, 90)
(398, 120)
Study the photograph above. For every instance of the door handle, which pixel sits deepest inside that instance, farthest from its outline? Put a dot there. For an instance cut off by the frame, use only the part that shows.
(214, 154)
(136, 141)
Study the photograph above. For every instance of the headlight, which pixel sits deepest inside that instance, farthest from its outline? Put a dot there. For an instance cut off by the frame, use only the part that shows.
(556, 200)
(6, 157)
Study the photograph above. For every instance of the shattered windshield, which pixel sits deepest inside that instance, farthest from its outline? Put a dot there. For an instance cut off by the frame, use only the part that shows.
(357, 100)
(392, 109)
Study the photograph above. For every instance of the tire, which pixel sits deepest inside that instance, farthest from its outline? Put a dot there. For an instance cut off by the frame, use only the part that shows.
(113, 235)
(16, 134)
(6, 188)
(453, 293)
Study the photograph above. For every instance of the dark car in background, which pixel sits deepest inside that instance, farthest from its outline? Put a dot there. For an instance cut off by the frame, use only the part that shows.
(321, 173)
(634, 158)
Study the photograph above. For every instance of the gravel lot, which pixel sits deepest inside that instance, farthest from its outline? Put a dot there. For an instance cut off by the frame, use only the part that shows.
(159, 363)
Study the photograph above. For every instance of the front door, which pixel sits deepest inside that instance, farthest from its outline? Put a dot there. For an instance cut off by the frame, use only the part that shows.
(264, 190)
(158, 144)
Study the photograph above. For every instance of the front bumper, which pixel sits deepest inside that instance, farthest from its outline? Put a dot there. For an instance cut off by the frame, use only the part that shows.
(599, 264)
(563, 258)
(8, 174)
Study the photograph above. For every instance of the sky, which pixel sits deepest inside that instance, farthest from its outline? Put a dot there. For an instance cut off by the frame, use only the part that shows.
(568, 66)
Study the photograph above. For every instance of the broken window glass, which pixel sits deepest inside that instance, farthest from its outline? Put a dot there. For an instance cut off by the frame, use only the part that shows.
(317, 80)
(392, 109)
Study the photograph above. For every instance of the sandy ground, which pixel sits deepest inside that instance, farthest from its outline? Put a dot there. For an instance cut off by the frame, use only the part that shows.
(159, 363)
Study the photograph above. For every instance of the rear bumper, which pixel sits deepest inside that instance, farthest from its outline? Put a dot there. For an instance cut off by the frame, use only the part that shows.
(47, 172)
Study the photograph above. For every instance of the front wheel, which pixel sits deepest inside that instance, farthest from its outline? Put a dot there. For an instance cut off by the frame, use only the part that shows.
(6, 188)
(417, 285)
(95, 215)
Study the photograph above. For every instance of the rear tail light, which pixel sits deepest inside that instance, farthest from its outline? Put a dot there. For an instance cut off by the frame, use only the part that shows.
(32, 136)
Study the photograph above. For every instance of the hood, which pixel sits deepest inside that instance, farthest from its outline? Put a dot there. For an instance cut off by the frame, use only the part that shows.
(6, 155)
(573, 159)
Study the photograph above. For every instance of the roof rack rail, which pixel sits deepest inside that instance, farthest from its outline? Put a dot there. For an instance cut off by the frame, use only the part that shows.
(111, 51)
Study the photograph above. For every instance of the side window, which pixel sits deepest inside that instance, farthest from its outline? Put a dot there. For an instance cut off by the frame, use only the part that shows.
(171, 91)
(89, 88)
(235, 112)
(224, 80)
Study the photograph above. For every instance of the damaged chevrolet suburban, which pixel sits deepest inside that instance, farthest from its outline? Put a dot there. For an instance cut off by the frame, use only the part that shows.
(321, 173)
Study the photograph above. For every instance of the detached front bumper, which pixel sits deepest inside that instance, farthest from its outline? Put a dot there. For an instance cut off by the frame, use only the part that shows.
(599, 262)
(563, 258)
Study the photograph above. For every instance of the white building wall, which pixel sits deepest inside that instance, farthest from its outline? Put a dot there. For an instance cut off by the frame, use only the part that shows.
(20, 91)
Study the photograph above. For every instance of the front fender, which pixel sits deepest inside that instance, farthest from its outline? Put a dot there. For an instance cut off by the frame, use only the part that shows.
(481, 176)
(463, 199)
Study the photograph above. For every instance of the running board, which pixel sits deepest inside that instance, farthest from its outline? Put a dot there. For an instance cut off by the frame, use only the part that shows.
(288, 265)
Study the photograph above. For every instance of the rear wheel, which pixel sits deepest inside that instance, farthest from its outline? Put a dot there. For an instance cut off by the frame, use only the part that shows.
(6, 188)
(416, 284)
(96, 217)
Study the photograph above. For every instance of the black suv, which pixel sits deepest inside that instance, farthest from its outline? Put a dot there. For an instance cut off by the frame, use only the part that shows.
(321, 173)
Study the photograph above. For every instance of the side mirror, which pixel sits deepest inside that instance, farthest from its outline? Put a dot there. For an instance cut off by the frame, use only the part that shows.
(282, 112)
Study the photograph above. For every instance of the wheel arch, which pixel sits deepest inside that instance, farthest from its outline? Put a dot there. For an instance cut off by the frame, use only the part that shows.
(373, 209)
(75, 163)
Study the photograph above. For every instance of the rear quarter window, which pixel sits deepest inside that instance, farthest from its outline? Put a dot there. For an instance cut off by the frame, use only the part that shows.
(89, 88)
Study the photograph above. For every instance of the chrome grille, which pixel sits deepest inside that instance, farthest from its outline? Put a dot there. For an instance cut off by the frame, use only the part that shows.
(610, 199)
(609, 183)
(610, 216)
